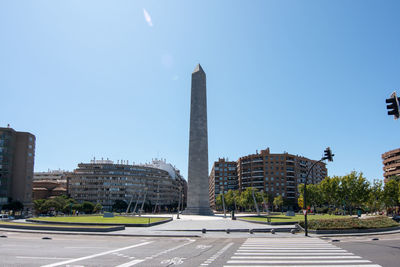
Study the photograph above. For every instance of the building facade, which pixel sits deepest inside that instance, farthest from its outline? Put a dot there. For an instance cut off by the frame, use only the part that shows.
(277, 174)
(49, 184)
(391, 163)
(102, 181)
(17, 157)
(223, 177)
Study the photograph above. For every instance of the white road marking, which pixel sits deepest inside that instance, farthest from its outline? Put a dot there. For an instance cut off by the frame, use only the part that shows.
(41, 258)
(280, 248)
(297, 250)
(325, 265)
(301, 261)
(216, 255)
(97, 255)
(293, 253)
(84, 247)
(130, 263)
(294, 257)
(257, 252)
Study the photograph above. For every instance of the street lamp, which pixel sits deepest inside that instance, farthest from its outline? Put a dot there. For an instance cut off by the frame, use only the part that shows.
(223, 201)
(327, 156)
(179, 201)
(255, 202)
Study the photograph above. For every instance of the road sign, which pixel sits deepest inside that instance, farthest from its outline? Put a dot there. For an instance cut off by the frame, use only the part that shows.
(304, 212)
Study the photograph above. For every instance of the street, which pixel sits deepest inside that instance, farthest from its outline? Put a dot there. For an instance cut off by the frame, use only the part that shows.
(27, 249)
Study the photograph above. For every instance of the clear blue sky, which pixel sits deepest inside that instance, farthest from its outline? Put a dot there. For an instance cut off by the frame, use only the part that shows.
(95, 78)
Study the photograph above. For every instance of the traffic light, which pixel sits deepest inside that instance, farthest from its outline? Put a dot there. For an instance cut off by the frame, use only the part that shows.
(393, 105)
(328, 154)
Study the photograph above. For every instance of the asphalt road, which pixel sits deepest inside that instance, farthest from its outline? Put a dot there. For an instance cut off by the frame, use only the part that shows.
(27, 249)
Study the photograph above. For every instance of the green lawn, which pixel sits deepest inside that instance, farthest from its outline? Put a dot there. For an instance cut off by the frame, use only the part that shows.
(52, 225)
(297, 218)
(101, 219)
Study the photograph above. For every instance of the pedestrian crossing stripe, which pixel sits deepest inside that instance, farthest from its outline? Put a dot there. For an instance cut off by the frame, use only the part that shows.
(299, 252)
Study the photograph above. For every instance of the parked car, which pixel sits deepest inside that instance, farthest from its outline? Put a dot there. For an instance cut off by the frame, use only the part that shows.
(4, 217)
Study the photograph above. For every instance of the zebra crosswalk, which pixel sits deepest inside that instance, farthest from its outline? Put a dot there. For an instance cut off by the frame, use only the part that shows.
(300, 252)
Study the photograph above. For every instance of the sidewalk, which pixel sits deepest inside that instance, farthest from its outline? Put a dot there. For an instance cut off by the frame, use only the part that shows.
(192, 226)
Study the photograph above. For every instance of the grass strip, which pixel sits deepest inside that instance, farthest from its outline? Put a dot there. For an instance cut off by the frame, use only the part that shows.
(53, 225)
(100, 219)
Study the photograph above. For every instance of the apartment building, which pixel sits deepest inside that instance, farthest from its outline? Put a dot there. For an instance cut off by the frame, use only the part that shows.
(277, 173)
(391, 163)
(17, 157)
(223, 177)
(104, 182)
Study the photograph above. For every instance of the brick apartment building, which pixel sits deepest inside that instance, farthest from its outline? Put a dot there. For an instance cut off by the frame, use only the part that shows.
(273, 173)
(391, 163)
(223, 177)
(277, 174)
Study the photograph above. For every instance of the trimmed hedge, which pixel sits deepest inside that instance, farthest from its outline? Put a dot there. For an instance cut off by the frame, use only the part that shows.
(351, 223)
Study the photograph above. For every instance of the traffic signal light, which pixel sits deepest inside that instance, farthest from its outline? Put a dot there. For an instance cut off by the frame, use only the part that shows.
(328, 154)
(393, 105)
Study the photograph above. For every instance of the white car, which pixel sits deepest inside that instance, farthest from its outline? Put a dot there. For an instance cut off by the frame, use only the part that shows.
(4, 217)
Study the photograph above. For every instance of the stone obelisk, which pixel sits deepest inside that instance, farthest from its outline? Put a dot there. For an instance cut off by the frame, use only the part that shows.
(198, 202)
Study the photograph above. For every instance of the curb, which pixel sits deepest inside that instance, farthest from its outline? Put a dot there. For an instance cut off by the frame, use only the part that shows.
(103, 224)
(267, 223)
(91, 234)
(353, 232)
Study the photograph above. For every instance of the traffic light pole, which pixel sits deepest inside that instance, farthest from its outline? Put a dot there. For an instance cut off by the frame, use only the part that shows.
(329, 156)
(305, 196)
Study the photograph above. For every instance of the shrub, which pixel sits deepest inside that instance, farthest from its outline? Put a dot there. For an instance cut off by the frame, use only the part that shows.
(350, 223)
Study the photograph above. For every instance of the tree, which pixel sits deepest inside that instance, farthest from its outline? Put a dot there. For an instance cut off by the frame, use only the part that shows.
(355, 189)
(218, 202)
(97, 208)
(331, 191)
(120, 205)
(246, 200)
(230, 200)
(51, 205)
(314, 195)
(87, 207)
(391, 193)
(375, 200)
(278, 201)
(38, 205)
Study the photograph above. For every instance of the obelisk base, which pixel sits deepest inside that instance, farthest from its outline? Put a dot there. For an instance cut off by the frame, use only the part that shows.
(198, 211)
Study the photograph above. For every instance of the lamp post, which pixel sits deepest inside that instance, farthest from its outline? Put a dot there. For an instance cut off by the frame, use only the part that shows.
(179, 201)
(329, 156)
(223, 201)
(255, 202)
